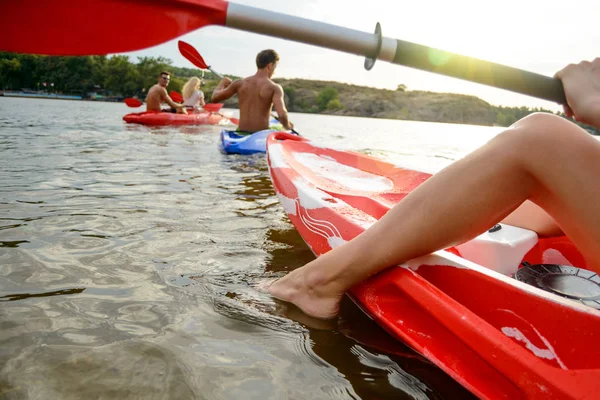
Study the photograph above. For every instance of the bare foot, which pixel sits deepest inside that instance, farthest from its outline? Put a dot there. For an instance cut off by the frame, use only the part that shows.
(263, 285)
(312, 299)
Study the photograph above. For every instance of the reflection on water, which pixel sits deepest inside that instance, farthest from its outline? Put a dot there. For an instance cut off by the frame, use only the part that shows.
(130, 256)
(22, 296)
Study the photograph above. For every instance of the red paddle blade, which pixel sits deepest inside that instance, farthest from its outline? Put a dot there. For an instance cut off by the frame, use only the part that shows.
(131, 102)
(176, 96)
(189, 52)
(213, 107)
(234, 120)
(90, 27)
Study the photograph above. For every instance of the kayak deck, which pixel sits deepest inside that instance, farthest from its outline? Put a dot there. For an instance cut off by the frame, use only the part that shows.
(165, 118)
(497, 336)
(234, 142)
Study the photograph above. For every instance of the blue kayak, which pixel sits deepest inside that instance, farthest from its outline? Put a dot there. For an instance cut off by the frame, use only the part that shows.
(233, 142)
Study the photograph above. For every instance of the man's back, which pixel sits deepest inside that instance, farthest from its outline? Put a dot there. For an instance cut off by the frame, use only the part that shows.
(255, 97)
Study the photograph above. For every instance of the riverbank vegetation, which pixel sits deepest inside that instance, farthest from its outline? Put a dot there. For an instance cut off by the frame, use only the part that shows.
(118, 77)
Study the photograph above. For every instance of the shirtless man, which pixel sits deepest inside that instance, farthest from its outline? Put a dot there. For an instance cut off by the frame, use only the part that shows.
(158, 95)
(256, 95)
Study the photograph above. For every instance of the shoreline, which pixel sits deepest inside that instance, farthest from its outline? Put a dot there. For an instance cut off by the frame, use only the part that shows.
(52, 96)
(25, 95)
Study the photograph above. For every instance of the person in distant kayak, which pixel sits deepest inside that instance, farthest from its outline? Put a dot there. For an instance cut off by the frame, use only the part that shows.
(256, 95)
(193, 98)
(539, 174)
(158, 95)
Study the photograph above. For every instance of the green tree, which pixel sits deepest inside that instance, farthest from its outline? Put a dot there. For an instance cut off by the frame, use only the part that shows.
(401, 88)
(98, 72)
(10, 71)
(149, 68)
(77, 75)
(176, 84)
(403, 114)
(121, 76)
(334, 105)
(290, 92)
(325, 96)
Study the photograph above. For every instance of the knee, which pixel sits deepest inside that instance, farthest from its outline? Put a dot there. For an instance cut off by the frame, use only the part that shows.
(540, 128)
(543, 133)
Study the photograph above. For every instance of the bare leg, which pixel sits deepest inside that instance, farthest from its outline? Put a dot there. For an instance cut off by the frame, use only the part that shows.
(531, 216)
(542, 158)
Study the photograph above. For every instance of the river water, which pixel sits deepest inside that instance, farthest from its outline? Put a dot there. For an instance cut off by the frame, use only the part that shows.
(129, 257)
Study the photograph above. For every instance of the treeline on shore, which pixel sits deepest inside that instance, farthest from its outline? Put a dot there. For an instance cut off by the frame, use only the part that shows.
(113, 76)
(117, 76)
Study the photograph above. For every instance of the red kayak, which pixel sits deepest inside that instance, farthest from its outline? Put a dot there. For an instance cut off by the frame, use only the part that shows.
(166, 118)
(507, 315)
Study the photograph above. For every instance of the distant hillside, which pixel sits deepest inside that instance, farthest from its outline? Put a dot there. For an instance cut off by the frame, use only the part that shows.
(118, 77)
(335, 98)
(303, 96)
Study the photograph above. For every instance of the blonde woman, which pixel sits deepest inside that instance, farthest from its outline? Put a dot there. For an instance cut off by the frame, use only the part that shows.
(193, 98)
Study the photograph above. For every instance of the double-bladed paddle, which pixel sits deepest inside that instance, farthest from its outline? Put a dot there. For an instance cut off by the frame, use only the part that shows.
(132, 102)
(104, 26)
(193, 56)
(213, 107)
(209, 107)
(176, 97)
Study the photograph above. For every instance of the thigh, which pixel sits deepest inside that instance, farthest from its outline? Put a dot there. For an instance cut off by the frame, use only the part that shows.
(565, 161)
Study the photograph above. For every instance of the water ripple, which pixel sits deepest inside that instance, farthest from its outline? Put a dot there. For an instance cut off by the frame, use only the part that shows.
(130, 256)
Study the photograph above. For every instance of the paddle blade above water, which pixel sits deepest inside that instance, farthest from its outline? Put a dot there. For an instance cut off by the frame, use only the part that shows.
(104, 26)
(90, 27)
(131, 102)
(176, 97)
(189, 52)
(213, 107)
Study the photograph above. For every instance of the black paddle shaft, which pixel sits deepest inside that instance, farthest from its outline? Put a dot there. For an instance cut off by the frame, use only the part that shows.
(472, 69)
(375, 46)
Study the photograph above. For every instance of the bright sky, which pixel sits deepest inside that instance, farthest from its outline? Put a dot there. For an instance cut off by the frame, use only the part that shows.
(535, 35)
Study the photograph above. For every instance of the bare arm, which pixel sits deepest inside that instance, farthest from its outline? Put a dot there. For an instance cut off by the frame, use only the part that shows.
(224, 90)
(202, 102)
(279, 105)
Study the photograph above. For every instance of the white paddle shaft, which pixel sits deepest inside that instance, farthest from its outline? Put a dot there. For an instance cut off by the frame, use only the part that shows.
(303, 30)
